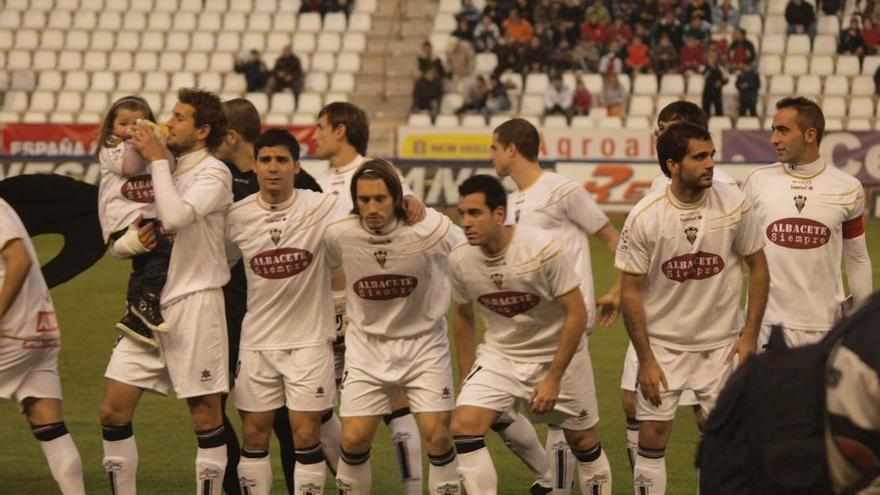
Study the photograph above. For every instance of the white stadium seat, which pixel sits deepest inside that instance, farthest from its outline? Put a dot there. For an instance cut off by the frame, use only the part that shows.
(808, 85)
(834, 107)
(773, 44)
(848, 65)
(836, 86)
(798, 44)
(782, 84)
(824, 44)
(536, 83)
(672, 84)
(446, 121)
(858, 124)
(42, 101)
(309, 103)
(473, 121)
(863, 86)
(822, 65)
(796, 65)
(748, 124)
(645, 84)
(419, 120)
(641, 105)
(360, 22)
(309, 22)
(861, 106)
(69, 101)
(870, 64)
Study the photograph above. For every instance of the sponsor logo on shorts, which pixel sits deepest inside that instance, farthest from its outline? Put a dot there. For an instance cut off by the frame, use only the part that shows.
(384, 287)
(445, 393)
(319, 392)
(138, 189)
(693, 266)
(46, 321)
(281, 262)
(509, 303)
(206, 376)
(798, 233)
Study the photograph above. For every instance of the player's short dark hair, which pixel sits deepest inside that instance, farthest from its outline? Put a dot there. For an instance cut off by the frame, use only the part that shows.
(379, 169)
(357, 126)
(684, 111)
(809, 114)
(277, 137)
(490, 186)
(522, 134)
(673, 144)
(207, 110)
(131, 103)
(242, 117)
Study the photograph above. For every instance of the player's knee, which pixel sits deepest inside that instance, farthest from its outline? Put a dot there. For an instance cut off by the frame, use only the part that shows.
(654, 434)
(307, 432)
(465, 424)
(438, 439)
(206, 412)
(114, 414)
(582, 439)
(628, 402)
(354, 441)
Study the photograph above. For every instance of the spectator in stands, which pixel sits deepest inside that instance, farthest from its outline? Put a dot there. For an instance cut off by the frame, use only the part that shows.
(613, 59)
(562, 57)
(343, 6)
(586, 55)
(646, 13)
(486, 34)
(546, 34)
(497, 99)
(877, 81)
(741, 50)
(570, 14)
(664, 56)
(698, 8)
(830, 7)
(525, 8)
(464, 31)
(747, 84)
(519, 29)
(699, 29)
(287, 73)
(475, 99)
(461, 59)
(534, 57)
(691, 56)
(492, 10)
(427, 60)
(254, 70)
(428, 93)
(614, 95)
(670, 26)
(637, 59)
(851, 42)
(871, 36)
(747, 7)
(469, 12)
(715, 77)
(507, 53)
(594, 30)
(725, 17)
(310, 6)
(619, 30)
(547, 12)
(623, 9)
(801, 18)
(583, 100)
(872, 11)
(598, 9)
(558, 97)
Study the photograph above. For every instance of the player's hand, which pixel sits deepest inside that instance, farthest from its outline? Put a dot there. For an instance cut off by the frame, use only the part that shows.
(544, 396)
(609, 307)
(744, 347)
(144, 139)
(651, 378)
(146, 232)
(415, 210)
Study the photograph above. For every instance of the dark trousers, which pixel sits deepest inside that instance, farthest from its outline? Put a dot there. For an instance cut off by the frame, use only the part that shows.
(148, 270)
(711, 99)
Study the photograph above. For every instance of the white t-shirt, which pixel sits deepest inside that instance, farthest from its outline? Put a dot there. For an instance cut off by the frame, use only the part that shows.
(395, 280)
(516, 292)
(661, 182)
(337, 181)
(802, 215)
(31, 314)
(564, 208)
(289, 302)
(121, 199)
(691, 255)
(198, 255)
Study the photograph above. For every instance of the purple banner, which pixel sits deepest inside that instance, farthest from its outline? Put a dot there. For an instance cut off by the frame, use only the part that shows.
(856, 153)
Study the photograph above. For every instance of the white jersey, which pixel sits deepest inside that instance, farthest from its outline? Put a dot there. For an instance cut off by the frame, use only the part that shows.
(517, 292)
(804, 217)
(31, 314)
(337, 181)
(691, 255)
(661, 182)
(289, 302)
(395, 283)
(564, 208)
(120, 198)
(198, 257)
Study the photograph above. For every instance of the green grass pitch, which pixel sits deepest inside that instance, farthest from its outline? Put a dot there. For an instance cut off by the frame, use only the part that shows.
(88, 307)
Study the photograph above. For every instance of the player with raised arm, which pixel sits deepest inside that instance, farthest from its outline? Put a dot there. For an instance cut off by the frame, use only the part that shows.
(397, 299)
(811, 213)
(681, 253)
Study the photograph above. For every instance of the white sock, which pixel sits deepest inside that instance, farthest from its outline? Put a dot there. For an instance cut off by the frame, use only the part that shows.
(210, 466)
(354, 475)
(475, 468)
(62, 456)
(407, 446)
(521, 437)
(121, 459)
(594, 471)
(561, 460)
(632, 440)
(331, 432)
(310, 470)
(649, 475)
(443, 474)
(255, 472)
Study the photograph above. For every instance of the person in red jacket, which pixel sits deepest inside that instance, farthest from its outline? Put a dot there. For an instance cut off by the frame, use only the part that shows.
(691, 56)
(637, 59)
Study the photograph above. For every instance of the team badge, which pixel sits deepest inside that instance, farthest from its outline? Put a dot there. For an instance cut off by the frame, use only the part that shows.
(799, 201)
(310, 489)
(381, 255)
(498, 279)
(691, 233)
(275, 234)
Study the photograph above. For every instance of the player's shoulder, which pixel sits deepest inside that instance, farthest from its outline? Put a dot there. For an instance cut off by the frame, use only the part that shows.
(841, 179)
(463, 251)
(757, 174)
(343, 224)
(242, 207)
(558, 186)
(215, 167)
(729, 197)
(531, 241)
(647, 206)
(432, 224)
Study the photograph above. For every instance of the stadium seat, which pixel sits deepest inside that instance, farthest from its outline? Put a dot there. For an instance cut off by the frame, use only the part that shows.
(76, 39)
(360, 22)
(748, 124)
(42, 101)
(486, 62)
(31, 117)
(10, 19)
(171, 62)
(202, 42)
(796, 65)
(861, 107)
(751, 23)
(153, 99)
(329, 42)
(444, 23)
(316, 82)
(775, 24)
(720, 123)
(782, 84)
(221, 62)
(209, 22)
(177, 42)
(95, 101)
(303, 42)
(446, 121)
(309, 103)
(473, 121)
(334, 22)
(834, 107)
(824, 44)
(284, 22)
(26, 39)
(182, 80)
(76, 80)
(348, 62)
(440, 41)
(210, 81)
(776, 7)
(309, 119)
(833, 124)
(863, 86)
(607, 122)
(267, 6)
(536, 83)
(309, 22)
(773, 44)
(228, 42)
(168, 101)
(85, 20)
(798, 44)
(870, 64)
(159, 21)
(15, 101)
(593, 83)
(638, 122)
(532, 105)
(419, 120)
(368, 6)
(60, 118)
(156, 81)
(103, 81)
(260, 101)
(822, 65)
(8, 116)
(516, 80)
(342, 82)
(134, 22)
(282, 102)
(89, 118)
(449, 6)
(672, 84)
(190, 6)
(354, 42)
(582, 122)
(130, 82)
(58, 19)
(152, 41)
(323, 62)
(828, 24)
(44, 60)
(858, 125)
(104, 41)
(848, 65)
(641, 105)
(769, 65)
(645, 84)
(110, 21)
(808, 85)
(555, 122)
(69, 60)
(52, 39)
(259, 22)
(836, 86)
(50, 80)
(276, 119)
(241, 5)
(234, 83)
(253, 41)
(234, 22)
(69, 101)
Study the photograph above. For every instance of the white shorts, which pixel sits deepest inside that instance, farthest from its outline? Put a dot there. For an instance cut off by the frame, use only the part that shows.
(301, 379)
(192, 358)
(499, 383)
(703, 372)
(630, 377)
(793, 337)
(375, 365)
(29, 369)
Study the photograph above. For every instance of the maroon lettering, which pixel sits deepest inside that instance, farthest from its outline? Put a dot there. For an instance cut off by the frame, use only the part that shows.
(693, 266)
(509, 303)
(281, 262)
(798, 233)
(385, 287)
(138, 189)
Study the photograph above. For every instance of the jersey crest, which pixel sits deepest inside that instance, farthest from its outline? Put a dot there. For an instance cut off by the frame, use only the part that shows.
(691, 234)
(381, 255)
(799, 201)
(275, 234)
(498, 279)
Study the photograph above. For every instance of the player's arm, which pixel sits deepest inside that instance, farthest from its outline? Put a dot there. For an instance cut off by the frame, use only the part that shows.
(545, 394)
(759, 287)
(465, 332)
(856, 260)
(139, 238)
(18, 263)
(651, 376)
(609, 303)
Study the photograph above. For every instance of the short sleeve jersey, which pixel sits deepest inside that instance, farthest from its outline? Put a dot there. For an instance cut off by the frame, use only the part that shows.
(289, 303)
(396, 283)
(515, 292)
(563, 207)
(691, 256)
(121, 199)
(804, 220)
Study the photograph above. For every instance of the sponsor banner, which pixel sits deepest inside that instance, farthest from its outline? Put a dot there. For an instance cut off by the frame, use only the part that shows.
(556, 144)
(856, 153)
